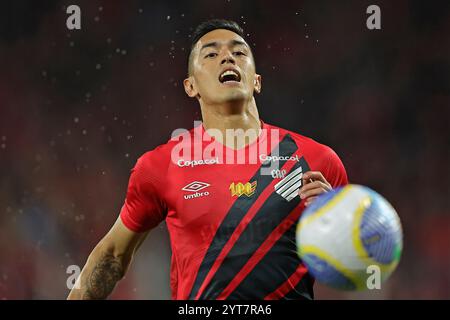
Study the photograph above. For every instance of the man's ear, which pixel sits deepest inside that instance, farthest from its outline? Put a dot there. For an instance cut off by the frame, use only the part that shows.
(257, 83)
(189, 87)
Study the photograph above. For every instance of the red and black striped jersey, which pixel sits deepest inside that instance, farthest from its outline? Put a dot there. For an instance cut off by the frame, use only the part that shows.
(231, 214)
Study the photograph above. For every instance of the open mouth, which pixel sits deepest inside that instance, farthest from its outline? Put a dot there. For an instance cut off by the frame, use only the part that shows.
(229, 75)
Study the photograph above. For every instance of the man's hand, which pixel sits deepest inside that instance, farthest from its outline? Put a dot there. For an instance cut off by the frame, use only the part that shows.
(314, 184)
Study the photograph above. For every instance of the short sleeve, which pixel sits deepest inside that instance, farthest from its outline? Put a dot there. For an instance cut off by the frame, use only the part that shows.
(335, 172)
(143, 208)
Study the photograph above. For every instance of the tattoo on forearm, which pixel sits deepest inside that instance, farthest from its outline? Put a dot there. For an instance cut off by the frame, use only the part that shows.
(104, 276)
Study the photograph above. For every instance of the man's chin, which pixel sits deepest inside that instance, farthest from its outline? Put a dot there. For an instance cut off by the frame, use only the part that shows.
(234, 96)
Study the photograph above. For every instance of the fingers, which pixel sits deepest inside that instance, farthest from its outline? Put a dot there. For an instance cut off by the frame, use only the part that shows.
(310, 200)
(312, 192)
(314, 175)
(314, 189)
(314, 184)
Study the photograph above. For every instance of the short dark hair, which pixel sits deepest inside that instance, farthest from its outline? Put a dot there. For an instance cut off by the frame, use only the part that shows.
(210, 25)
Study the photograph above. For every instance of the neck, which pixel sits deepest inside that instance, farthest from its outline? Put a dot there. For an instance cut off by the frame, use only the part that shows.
(235, 115)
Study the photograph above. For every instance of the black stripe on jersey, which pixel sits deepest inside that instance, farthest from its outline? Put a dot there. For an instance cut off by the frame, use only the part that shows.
(262, 280)
(274, 210)
(238, 210)
(303, 289)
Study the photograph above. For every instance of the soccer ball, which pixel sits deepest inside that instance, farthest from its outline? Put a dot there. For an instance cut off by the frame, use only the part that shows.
(348, 234)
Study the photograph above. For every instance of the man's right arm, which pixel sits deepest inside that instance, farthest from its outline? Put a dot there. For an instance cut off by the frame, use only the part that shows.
(107, 263)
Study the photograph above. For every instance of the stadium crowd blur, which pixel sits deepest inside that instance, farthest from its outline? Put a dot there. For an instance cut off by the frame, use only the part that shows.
(77, 108)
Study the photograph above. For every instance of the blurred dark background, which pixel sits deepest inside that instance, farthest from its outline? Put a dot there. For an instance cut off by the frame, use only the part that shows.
(77, 108)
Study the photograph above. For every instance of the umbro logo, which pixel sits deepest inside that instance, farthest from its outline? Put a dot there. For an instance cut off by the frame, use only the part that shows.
(288, 187)
(195, 186)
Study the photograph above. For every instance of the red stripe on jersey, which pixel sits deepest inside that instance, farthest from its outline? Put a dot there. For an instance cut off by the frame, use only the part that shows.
(240, 228)
(276, 234)
(289, 284)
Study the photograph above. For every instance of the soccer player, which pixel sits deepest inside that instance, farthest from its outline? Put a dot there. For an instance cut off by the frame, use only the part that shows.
(231, 223)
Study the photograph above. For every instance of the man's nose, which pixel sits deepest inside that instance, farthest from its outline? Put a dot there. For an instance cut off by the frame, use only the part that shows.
(228, 58)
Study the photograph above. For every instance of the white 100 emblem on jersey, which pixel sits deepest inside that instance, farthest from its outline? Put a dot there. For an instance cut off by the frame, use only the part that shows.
(288, 187)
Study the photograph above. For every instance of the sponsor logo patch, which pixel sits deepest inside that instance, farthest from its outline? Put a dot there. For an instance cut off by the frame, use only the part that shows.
(289, 187)
(242, 189)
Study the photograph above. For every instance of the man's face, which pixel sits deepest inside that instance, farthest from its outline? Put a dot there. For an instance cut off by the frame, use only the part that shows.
(222, 69)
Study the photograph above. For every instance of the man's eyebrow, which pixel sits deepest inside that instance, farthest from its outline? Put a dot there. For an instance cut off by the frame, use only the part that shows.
(208, 45)
(238, 43)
